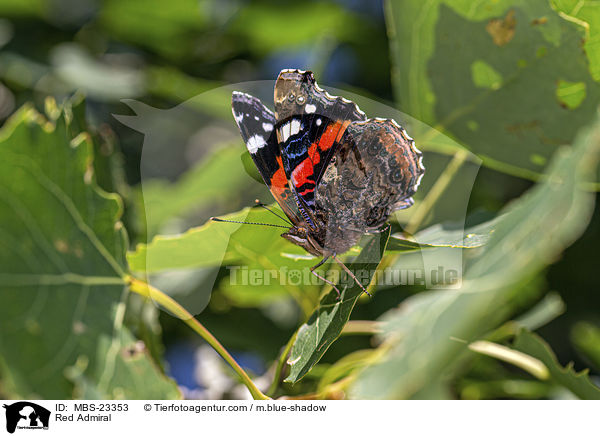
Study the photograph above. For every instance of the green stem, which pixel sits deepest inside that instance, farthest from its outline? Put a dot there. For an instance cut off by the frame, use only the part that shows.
(360, 327)
(144, 289)
(436, 191)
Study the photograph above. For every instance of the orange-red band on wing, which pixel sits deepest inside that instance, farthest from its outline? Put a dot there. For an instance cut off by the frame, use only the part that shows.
(279, 182)
(332, 134)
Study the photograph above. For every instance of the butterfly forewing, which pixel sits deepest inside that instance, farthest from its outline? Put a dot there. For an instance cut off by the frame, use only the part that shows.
(257, 127)
(311, 124)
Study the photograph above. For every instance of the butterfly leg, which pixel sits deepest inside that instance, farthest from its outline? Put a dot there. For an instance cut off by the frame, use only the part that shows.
(312, 270)
(345, 268)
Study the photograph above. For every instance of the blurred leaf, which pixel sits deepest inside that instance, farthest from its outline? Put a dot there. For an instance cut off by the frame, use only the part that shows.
(62, 269)
(327, 322)
(542, 313)
(344, 367)
(446, 235)
(503, 94)
(578, 383)
(267, 29)
(586, 338)
(174, 85)
(22, 8)
(167, 28)
(522, 360)
(103, 81)
(427, 334)
(199, 187)
(505, 388)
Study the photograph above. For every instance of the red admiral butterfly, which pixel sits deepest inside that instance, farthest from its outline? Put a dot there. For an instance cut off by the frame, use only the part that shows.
(335, 173)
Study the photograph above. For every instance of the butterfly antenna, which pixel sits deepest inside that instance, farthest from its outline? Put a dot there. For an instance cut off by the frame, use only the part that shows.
(264, 206)
(244, 222)
(351, 275)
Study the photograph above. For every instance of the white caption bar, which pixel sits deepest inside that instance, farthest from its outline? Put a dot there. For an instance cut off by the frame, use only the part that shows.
(299, 417)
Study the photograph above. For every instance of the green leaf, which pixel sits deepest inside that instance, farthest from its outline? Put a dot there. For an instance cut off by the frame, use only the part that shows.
(212, 244)
(551, 307)
(445, 235)
(578, 383)
(586, 339)
(343, 367)
(428, 334)
(503, 94)
(584, 13)
(270, 26)
(201, 186)
(524, 361)
(62, 270)
(326, 323)
(263, 265)
(168, 29)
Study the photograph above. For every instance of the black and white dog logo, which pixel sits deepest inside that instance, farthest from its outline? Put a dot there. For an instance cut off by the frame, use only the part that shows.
(26, 415)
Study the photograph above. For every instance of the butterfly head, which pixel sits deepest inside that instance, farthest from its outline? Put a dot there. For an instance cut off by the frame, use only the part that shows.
(304, 238)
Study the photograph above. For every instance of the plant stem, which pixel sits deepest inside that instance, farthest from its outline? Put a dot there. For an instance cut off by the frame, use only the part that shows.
(436, 191)
(144, 289)
(359, 327)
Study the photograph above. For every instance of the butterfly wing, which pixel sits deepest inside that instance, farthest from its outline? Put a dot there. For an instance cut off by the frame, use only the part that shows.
(310, 126)
(257, 123)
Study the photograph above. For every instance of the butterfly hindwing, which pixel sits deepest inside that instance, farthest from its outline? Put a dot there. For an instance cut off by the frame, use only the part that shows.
(257, 123)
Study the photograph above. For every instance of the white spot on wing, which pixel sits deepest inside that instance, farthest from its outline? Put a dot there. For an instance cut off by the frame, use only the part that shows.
(255, 143)
(310, 108)
(318, 121)
(255, 117)
(295, 127)
(267, 127)
(238, 117)
(285, 131)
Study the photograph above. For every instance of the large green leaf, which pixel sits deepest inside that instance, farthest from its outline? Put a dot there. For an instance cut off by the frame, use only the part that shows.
(578, 383)
(517, 91)
(326, 323)
(212, 244)
(429, 332)
(264, 266)
(62, 270)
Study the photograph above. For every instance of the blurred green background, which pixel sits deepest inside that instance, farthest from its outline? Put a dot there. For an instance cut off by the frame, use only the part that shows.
(511, 81)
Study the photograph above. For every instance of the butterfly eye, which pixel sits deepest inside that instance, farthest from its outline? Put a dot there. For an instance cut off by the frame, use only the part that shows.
(300, 99)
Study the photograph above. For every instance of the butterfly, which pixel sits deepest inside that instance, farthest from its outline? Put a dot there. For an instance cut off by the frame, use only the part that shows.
(335, 174)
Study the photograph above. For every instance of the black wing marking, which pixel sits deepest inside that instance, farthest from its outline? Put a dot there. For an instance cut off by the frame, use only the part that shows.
(257, 123)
